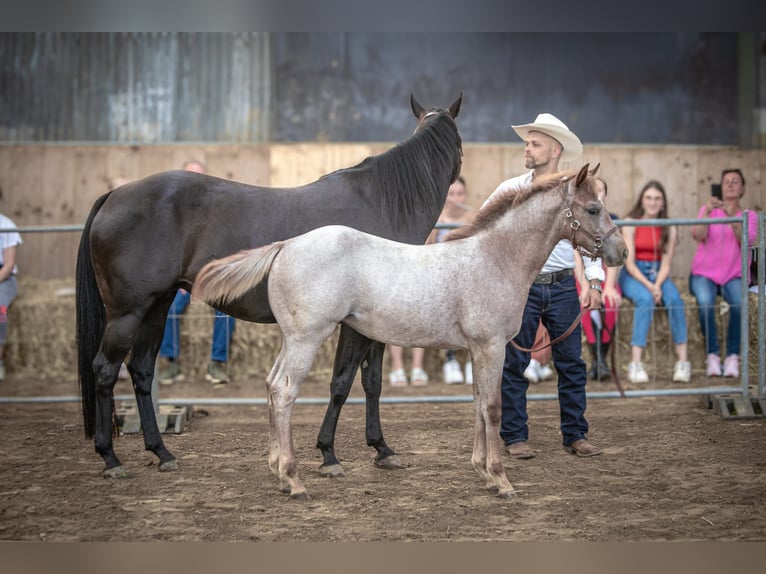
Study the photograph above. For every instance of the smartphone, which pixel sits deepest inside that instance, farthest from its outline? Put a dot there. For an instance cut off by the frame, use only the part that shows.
(715, 190)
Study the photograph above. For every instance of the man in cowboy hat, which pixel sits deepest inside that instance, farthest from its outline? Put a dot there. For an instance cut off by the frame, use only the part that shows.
(553, 300)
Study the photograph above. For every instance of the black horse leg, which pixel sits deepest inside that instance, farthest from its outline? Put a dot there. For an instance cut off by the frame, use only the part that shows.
(372, 376)
(141, 367)
(352, 347)
(106, 370)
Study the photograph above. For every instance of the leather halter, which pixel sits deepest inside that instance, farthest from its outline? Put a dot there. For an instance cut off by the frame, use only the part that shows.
(598, 241)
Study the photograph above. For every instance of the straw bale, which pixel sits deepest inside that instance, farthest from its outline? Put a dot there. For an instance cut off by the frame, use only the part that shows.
(41, 338)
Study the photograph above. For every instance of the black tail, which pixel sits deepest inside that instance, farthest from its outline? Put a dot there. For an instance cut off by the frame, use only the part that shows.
(91, 321)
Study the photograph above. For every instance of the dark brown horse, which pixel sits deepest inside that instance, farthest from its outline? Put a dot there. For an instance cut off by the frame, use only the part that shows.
(145, 240)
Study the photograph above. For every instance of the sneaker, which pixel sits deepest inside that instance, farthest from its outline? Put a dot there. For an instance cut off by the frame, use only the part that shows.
(682, 372)
(469, 373)
(171, 373)
(532, 372)
(731, 366)
(397, 378)
(545, 372)
(637, 373)
(713, 363)
(2, 371)
(419, 377)
(452, 373)
(216, 373)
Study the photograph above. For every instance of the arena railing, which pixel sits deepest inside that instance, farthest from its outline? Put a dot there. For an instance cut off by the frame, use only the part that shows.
(744, 389)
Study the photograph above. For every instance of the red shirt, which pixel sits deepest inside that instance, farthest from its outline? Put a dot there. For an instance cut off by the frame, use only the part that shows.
(648, 241)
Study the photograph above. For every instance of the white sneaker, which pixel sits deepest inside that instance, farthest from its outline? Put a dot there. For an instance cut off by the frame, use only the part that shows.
(731, 366)
(532, 372)
(682, 372)
(545, 372)
(637, 373)
(397, 378)
(713, 364)
(452, 373)
(469, 373)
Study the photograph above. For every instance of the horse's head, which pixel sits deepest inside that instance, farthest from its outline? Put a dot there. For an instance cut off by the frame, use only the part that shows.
(593, 233)
(428, 116)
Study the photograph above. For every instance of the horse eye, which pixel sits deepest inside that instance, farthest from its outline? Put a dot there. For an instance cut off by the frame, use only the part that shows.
(593, 210)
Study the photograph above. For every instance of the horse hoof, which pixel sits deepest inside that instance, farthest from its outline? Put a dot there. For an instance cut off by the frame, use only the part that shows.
(300, 496)
(507, 495)
(390, 462)
(331, 471)
(115, 472)
(169, 465)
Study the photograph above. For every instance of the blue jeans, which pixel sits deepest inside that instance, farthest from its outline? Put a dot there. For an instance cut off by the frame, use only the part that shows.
(8, 289)
(706, 291)
(644, 304)
(223, 327)
(557, 305)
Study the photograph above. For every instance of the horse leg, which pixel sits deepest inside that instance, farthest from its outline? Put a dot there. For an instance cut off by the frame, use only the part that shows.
(142, 372)
(372, 376)
(487, 374)
(276, 371)
(352, 348)
(106, 367)
(479, 456)
(283, 391)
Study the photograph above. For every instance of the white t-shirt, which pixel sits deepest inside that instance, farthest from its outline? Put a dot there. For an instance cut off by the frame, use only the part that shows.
(562, 256)
(8, 239)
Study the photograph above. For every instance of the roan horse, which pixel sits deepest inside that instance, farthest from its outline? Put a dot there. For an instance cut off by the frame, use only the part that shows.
(467, 293)
(145, 240)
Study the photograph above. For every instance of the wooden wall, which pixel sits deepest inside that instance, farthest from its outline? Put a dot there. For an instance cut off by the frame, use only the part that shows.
(56, 184)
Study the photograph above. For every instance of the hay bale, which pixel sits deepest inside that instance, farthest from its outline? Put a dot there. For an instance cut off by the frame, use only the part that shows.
(41, 339)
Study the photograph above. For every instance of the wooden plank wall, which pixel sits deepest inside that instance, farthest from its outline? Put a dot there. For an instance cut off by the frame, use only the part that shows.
(52, 184)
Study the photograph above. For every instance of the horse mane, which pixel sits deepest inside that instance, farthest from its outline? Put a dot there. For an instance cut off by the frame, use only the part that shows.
(406, 176)
(506, 200)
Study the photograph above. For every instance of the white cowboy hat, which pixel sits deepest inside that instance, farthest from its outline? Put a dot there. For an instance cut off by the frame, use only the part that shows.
(552, 126)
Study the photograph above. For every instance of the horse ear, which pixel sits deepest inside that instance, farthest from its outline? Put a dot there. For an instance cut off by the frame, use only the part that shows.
(582, 175)
(417, 109)
(595, 169)
(454, 109)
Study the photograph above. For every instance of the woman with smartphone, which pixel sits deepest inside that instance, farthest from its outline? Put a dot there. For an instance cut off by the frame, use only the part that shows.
(717, 269)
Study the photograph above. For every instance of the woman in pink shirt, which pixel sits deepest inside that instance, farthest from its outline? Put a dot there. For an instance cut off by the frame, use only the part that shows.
(717, 269)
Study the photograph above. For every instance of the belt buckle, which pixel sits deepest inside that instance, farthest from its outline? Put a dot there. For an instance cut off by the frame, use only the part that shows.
(544, 279)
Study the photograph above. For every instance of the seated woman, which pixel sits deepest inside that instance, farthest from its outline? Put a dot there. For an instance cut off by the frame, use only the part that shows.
(717, 270)
(645, 281)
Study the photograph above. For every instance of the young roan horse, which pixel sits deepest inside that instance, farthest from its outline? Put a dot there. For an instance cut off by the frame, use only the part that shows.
(145, 240)
(468, 293)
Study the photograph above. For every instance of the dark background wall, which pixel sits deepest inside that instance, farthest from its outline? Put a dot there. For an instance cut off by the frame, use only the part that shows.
(653, 88)
(638, 88)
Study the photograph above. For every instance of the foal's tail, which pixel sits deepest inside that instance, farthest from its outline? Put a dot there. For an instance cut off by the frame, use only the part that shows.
(226, 279)
(91, 320)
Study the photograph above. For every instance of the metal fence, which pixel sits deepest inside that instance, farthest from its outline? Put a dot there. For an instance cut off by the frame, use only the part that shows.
(743, 389)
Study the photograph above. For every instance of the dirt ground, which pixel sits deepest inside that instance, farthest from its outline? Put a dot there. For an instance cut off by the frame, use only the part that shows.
(672, 469)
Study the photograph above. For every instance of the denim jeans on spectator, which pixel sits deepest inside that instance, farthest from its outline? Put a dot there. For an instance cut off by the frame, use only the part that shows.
(706, 291)
(223, 327)
(557, 304)
(644, 304)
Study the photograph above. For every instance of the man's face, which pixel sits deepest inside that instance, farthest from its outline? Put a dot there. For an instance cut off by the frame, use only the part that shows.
(539, 150)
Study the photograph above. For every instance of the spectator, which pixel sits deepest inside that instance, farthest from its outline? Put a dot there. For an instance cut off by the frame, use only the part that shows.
(9, 240)
(553, 300)
(645, 280)
(223, 328)
(455, 212)
(717, 270)
(599, 324)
